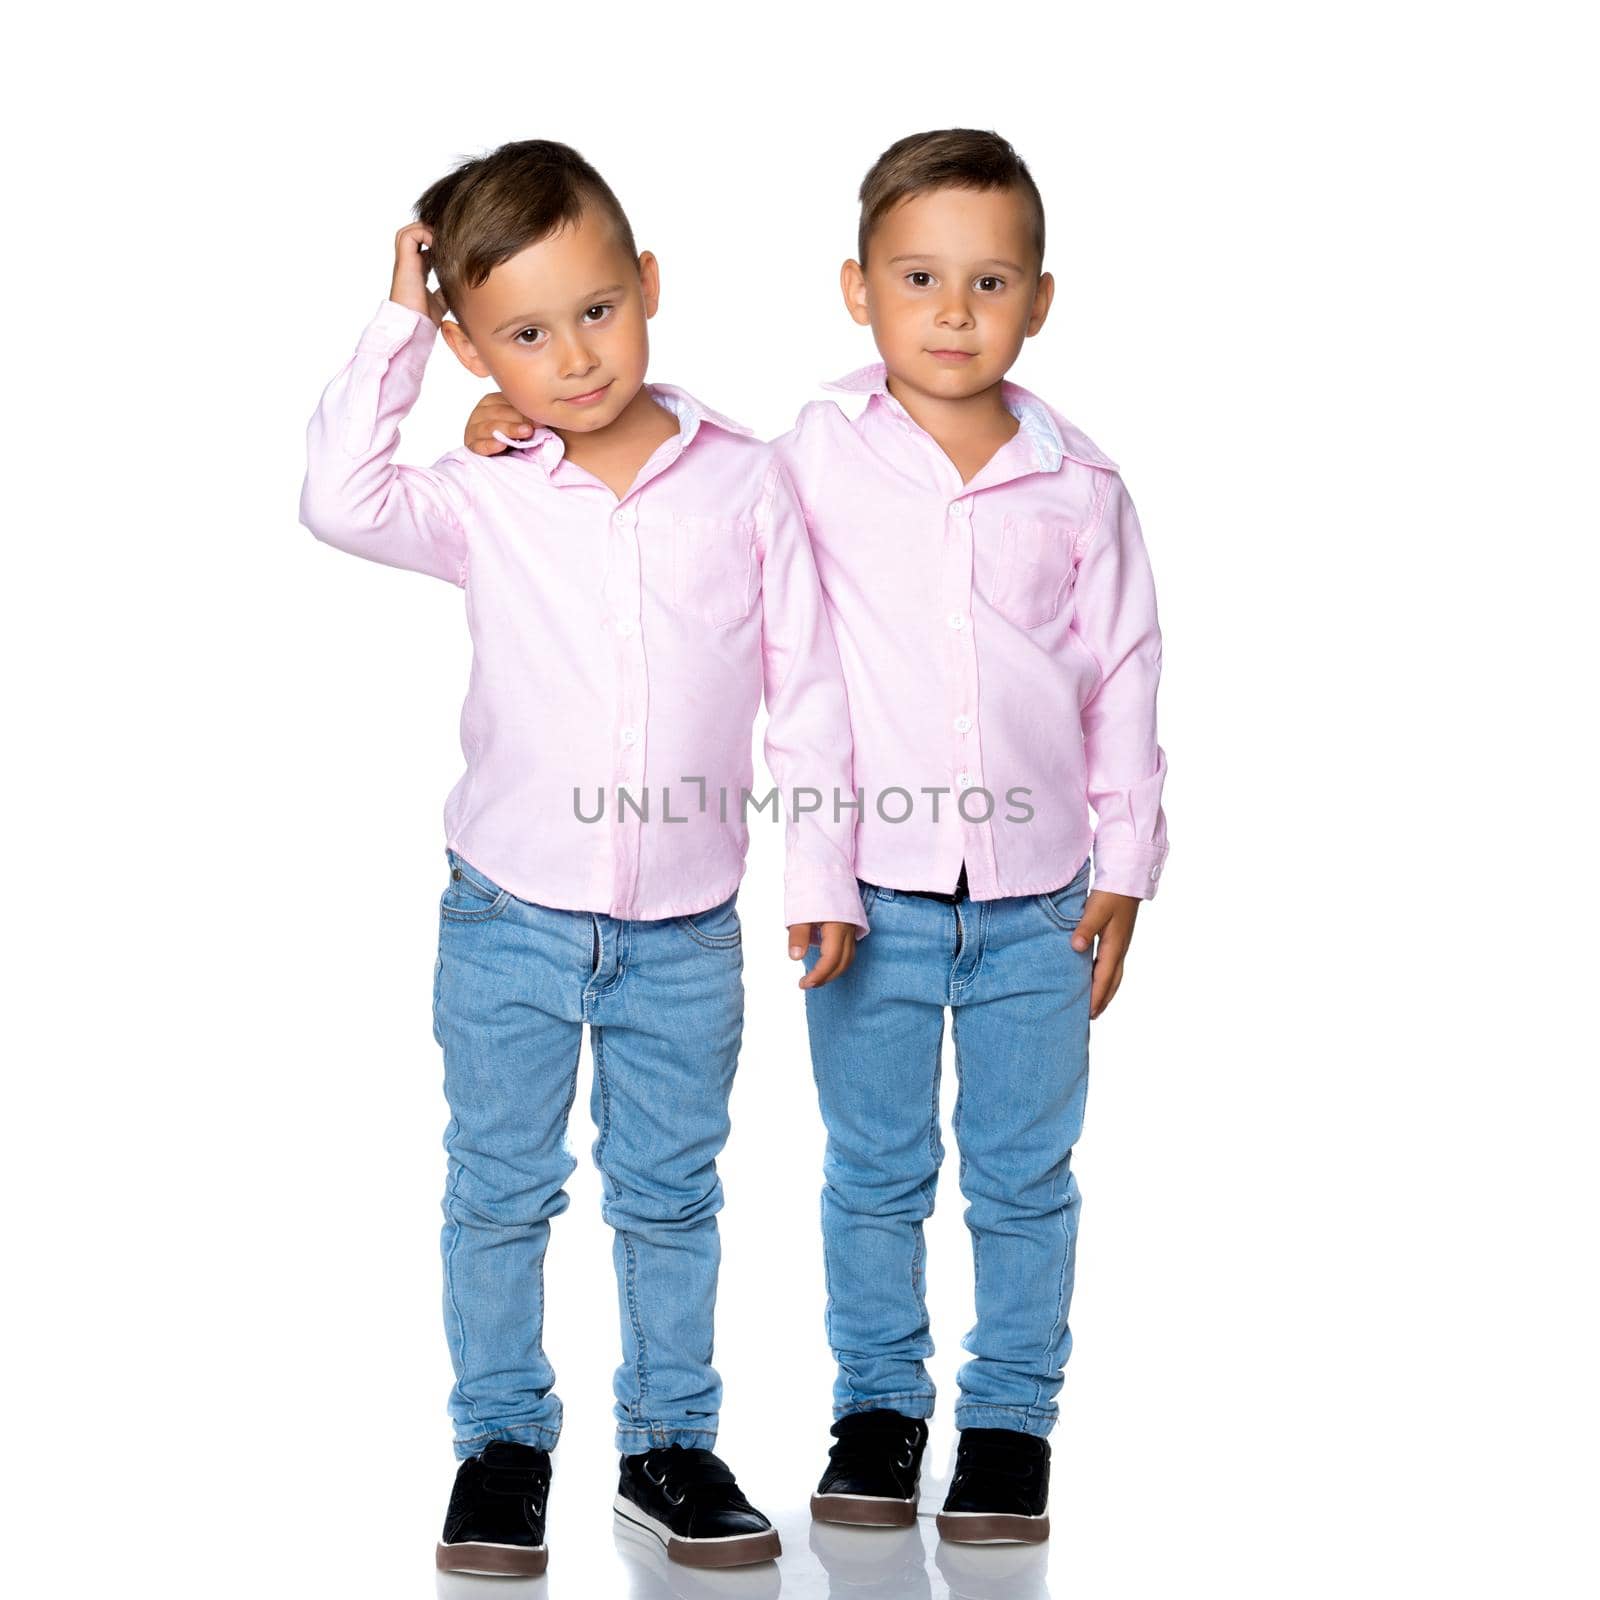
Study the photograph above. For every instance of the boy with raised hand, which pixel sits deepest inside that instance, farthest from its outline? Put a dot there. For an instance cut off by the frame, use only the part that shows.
(634, 573)
(986, 575)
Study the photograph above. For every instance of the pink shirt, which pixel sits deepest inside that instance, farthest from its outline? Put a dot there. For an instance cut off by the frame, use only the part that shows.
(618, 645)
(996, 635)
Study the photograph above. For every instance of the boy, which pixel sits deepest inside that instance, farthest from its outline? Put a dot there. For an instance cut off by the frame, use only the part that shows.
(993, 605)
(632, 572)
(1038, 618)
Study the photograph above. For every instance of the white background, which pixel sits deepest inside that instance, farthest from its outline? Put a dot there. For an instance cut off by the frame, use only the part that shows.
(1326, 293)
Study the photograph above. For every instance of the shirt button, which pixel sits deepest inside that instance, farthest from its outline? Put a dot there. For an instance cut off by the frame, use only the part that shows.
(962, 724)
(1155, 871)
(964, 779)
(625, 627)
(958, 508)
(630, 736)
(957, 621)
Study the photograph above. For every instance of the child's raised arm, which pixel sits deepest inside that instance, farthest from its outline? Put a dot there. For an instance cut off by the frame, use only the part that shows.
(355, 496)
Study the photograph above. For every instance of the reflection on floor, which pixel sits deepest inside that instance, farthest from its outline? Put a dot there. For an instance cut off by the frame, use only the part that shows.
(818, 1561)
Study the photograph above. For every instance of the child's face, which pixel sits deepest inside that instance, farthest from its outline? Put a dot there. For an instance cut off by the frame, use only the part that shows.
(560, 326)
(951, 289)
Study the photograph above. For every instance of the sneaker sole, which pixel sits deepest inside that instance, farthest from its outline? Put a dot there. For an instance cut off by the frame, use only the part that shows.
(991, 1527)
(497, 1560)
(864, 1510)
(731, 1550)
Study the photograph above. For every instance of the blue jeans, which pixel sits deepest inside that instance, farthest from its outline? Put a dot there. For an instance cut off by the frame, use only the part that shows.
(1019, 999)
(513, 986)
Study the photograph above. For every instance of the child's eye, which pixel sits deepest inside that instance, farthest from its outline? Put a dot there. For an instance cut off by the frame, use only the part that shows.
(926, 277)
(518, 338)
(989, 282)
(600, 309)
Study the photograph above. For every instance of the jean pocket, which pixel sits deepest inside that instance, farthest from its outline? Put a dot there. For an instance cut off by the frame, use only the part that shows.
(470, 896)
(1035, 570)
(717, 928)
(713, 567)
(1064, 906)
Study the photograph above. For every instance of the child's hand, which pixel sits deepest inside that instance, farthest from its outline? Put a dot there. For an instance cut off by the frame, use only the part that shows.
(1111, 917)
(491, 412)
(409, 285)
(838, 941)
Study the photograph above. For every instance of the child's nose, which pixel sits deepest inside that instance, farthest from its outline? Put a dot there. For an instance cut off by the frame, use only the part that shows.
(576, 358)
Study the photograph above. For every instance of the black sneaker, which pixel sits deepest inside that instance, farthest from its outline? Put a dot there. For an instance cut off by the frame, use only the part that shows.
(495, 1522)
(999, 1490)
(689, 1500)
(873, 1470)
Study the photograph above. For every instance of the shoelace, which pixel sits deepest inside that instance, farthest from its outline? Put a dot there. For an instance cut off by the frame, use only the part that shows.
(678, 1473)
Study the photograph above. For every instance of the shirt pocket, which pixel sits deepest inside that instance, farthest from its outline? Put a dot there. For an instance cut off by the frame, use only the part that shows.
(1035, 569)
(713, 567)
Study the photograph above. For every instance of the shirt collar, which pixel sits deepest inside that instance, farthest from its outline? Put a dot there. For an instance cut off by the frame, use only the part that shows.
(546, 447)
(1051, 435)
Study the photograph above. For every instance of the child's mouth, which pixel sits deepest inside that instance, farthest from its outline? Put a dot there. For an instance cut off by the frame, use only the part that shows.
(955, 357)
(589, 398)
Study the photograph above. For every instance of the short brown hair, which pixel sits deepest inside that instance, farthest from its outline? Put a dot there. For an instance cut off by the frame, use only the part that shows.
(492, 206)
(949, 158)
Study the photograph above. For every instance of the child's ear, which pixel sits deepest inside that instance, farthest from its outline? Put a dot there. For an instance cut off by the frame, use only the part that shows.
(853, 286)
(649, 282)
(456, 337)
(1042, 296)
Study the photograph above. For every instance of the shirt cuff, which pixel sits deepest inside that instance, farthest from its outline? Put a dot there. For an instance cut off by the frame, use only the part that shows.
(1129, 868)
(824, 899)
(394, 326)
